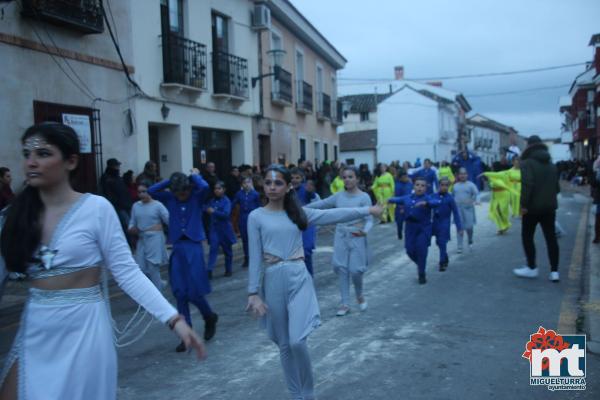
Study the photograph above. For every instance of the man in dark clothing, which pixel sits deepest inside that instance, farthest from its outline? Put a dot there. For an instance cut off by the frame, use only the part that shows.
(114, 189)
(539, 191)
(6, 193)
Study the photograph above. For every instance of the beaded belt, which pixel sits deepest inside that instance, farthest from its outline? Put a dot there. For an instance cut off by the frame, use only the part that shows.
(66, 296)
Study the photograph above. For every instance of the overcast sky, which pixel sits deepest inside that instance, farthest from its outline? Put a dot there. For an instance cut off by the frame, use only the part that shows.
(445, 38)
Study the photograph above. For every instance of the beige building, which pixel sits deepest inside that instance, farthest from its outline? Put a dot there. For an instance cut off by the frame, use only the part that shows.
(299, 108)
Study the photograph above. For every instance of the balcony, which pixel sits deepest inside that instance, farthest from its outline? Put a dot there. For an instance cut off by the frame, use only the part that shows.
(337, 113)
(230, 76)
(323, 106)
(282, 88)
(82, 15)
(184, 64)
(304, 97)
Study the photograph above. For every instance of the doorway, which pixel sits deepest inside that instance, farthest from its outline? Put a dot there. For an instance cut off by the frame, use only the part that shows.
(264, 150)
(212, 145)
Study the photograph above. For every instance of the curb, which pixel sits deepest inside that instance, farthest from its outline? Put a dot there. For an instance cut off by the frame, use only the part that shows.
(591, 307)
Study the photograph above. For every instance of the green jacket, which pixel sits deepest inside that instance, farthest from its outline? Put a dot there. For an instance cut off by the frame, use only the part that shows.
(539, 178)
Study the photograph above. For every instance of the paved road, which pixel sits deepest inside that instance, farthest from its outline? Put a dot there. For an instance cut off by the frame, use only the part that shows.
(460, 336)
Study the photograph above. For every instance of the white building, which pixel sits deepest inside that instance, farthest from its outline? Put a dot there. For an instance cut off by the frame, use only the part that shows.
(58, 60)
(412, 120)
(194, 61)
(485, 141)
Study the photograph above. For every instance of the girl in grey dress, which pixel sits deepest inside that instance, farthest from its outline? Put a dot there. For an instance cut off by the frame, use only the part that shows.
(147, 219)
(285, 296)
(350, 253)
(465, 195)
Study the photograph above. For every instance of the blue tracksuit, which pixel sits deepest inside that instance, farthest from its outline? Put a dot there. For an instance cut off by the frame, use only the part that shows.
(187, 272)
(473, 166)
(430, 176)
(441, 222)
(309, 236)
(418, 226)
(401, 189)
(248, 202)
(221, 231)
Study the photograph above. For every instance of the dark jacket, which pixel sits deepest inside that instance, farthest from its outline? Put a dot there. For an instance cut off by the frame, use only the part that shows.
(539, 180)
(114, 189)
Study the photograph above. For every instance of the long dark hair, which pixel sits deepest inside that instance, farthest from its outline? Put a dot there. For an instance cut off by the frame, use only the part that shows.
(291, 205)
(22, 231)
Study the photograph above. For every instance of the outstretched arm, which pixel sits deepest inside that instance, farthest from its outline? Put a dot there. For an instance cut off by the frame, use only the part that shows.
(329, 202)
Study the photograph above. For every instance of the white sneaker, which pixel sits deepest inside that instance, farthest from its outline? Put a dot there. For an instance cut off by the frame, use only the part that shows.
(363, 306)
(554, 277)
(471, 248)
(343, 310)
(526, 272)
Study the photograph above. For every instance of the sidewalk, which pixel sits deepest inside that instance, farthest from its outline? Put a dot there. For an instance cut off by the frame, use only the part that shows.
(591, 307)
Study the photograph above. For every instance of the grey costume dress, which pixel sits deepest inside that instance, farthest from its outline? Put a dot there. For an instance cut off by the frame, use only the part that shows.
(287, 287)
(151, 250)
(465, 195)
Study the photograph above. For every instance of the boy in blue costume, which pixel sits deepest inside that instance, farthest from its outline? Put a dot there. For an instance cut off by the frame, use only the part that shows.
(187, 272)
(221, 231)
(416, 208)
(403, 187)
(309, 235)
(248, 200)
(441, 220)
(429, 174)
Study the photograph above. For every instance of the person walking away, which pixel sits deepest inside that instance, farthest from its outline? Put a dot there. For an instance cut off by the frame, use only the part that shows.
(350, 253)
(383, 188)
(539, 191)
(6, 193)
(148, 217)
(221, 231)
(187, 271)
(402, 187)
(465, 195)
(247, 200)
(417, 208)
(514, 177)
(442, 215)
(280, 289)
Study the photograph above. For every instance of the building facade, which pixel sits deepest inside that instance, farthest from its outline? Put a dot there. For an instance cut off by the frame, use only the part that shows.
(298, 110)
(60, 64)
(491, 139)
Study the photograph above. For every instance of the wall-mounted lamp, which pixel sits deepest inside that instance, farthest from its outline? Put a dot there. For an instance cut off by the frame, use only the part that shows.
(275, 61)
(164, 110)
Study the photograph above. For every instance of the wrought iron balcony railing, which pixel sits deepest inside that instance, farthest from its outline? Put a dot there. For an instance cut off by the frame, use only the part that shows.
(324, 105)
(230, 74)
(82, 15)
(184, 61)
(282, 87)
(304, 98)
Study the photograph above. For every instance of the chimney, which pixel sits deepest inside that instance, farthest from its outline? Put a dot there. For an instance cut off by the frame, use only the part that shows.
(435, 83)
(399, 72)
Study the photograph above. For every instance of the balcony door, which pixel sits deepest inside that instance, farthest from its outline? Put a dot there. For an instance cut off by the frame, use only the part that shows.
(220, 44)
(171, 16)
(299, 75)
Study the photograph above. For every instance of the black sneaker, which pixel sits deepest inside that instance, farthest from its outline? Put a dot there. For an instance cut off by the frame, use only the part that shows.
(245, 264)
(443, 266)
(180, 348)
(422, 279)
(210, 326)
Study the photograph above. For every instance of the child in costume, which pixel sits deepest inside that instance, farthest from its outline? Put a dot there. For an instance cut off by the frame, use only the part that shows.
(446, 172)
(417, 208)
(221, 231)
(500, 203)
(248, 200)
(383, 188)
(403, 187)
(441, 220)
(309, 235)
(465, 194)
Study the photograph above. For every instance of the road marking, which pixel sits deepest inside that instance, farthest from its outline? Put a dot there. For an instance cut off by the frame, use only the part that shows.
(568, 308)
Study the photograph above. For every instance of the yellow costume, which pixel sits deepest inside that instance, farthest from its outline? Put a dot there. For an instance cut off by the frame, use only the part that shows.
(337, 185)
(446, 172)
(500, 202)
(514, 177)
(383, 188)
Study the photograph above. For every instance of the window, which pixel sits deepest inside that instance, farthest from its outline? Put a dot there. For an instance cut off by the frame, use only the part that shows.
(303, 149)
(335, 152)
(172, 15)
(317, 149)
(220, 33)
(299, 74)
(276, 44)
(325, 151)
(364, 116)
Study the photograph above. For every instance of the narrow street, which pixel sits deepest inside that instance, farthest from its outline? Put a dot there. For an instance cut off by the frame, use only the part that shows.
(459, 336)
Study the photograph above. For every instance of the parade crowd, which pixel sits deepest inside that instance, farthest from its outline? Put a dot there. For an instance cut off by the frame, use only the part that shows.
(63, 242)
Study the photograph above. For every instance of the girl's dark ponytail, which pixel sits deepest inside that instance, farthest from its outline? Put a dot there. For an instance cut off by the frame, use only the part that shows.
(22, 231)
